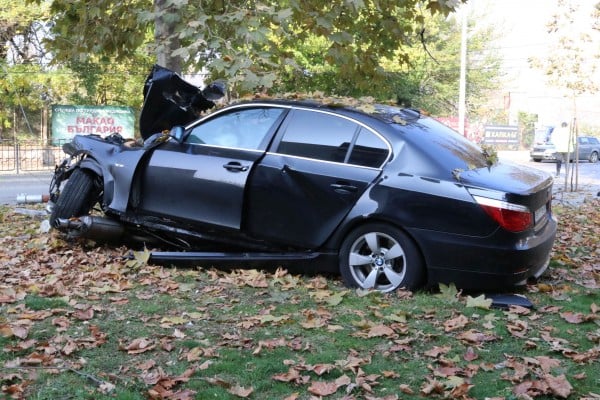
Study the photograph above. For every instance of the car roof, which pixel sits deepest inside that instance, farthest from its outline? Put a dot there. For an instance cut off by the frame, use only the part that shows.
(344, 106)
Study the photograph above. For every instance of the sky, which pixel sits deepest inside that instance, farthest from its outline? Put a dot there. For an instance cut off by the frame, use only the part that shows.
(524, 34)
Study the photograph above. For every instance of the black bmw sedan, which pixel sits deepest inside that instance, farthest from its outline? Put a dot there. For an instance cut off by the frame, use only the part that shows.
(398, 198)
(386, 196)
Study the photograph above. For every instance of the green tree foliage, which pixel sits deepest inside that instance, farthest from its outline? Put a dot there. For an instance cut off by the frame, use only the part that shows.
(107, 82)
(428, 80)
(527, 127)
(20, 44)
(30, 84)
(20, 29)
(248, 42)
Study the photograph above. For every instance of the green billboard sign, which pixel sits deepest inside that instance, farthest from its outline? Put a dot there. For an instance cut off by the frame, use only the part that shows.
(68, 121)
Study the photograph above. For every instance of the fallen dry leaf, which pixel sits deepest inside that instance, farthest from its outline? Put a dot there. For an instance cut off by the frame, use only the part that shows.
(456, 323)
(470, 354)
(137, 346)
(292, 375)
(475, 337)
(436, 351)
(576, 318)
(380, 330)
(517, 328)
(559, 385)
(323, 388)
(240, 391)
(479, 302)
(84, 315)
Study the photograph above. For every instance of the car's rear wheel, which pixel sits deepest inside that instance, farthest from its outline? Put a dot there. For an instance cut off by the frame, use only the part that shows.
(537, 159)
(380, 257)
(594, 157)
(77, 198)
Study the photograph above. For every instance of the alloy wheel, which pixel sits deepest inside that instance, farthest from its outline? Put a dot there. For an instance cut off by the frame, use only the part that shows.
(377, 261)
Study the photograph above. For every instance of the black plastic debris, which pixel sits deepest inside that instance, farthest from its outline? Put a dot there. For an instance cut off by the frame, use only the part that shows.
(506, 300)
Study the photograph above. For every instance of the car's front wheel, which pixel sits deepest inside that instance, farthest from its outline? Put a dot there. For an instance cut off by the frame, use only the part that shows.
(594, 157)
(381, 257)
(77, 197)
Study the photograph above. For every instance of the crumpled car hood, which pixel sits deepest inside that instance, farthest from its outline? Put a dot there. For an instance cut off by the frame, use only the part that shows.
(169, 101)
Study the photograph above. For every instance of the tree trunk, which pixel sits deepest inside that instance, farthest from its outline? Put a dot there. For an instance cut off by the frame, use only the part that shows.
(165, 39)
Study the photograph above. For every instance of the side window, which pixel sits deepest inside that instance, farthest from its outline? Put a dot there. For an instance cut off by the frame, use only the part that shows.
(244, 129)
(369, 150)
(318, 135)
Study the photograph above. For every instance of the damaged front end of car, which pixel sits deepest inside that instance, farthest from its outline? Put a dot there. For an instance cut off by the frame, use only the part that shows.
(112, 164)
(169, 100)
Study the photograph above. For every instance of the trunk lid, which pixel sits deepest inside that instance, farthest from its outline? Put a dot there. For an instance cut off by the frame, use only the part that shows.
(509, 178)
(515, 185)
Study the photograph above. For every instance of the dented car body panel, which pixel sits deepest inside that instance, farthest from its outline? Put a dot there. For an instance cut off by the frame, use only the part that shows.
(298, 180)
(114, 163)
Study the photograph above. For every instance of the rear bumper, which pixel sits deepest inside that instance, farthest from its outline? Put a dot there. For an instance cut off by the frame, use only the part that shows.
(481, 280)
(542, 155)
(488, 263)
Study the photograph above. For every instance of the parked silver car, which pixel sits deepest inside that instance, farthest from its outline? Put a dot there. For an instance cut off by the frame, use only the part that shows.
(589, 150)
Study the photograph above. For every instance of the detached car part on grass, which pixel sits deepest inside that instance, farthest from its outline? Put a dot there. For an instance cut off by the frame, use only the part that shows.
(385, 196)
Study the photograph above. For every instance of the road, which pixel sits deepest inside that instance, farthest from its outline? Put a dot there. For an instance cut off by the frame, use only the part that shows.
(26, 183)
(37, 183)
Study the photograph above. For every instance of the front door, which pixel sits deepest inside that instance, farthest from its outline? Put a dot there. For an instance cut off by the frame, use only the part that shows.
(203, 179)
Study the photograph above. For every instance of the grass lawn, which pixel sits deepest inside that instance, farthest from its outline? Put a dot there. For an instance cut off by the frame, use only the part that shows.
(79, 322)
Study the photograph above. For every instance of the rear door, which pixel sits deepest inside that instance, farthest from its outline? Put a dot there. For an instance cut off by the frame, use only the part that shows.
(320, 164)
(203, 180)
(584, 149)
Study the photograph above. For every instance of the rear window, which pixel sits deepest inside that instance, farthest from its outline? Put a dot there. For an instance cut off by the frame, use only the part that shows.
(328, 137)
(445, 145)
(368, 150)
(317, 135)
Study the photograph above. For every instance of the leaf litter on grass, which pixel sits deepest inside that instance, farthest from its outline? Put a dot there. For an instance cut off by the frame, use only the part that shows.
(167, 333)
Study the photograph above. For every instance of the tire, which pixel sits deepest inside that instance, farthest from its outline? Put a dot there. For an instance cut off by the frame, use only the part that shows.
(380, 257)
(77, 198)
(594, 157)
(537, 160)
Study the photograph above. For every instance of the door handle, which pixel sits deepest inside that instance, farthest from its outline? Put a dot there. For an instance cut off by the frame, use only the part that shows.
(344, 188)
(235, 166)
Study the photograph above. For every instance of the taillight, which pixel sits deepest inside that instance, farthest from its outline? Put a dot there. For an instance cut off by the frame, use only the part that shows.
(512, 217)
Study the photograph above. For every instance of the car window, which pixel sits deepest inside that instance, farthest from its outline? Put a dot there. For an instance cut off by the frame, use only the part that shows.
(593, 140)
(442, 143)
(243, 129)
(583, 140)
(369, 150)
(318, 135)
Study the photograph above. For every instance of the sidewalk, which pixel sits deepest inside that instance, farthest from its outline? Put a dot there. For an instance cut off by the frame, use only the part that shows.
(29, 175)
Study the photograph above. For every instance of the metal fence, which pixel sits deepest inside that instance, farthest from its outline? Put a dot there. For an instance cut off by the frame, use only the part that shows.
(17, 156)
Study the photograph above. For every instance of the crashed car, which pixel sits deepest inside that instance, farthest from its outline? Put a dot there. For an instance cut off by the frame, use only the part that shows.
(386, 196)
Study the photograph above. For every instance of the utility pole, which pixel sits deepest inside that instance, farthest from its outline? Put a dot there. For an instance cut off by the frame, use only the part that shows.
(462, 92)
